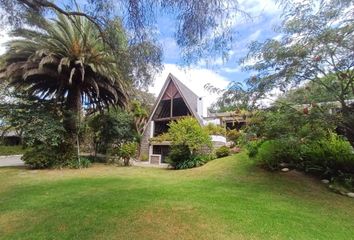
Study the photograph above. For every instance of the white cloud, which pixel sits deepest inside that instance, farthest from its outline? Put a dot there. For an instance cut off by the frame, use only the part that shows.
(4, 37)
(231, 70)
(195, 79)
(269, 98)
(211, 62)
(170, 47)
(254, 36)
(278, 37)
(257, 7)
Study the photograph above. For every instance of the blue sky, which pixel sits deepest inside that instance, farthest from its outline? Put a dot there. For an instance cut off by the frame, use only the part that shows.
(265, 14)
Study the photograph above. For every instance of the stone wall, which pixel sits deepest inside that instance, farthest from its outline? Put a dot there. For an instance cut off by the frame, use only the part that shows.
(144, 144)
(155, 159)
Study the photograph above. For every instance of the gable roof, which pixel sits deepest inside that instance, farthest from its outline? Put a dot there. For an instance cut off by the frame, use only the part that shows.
(189, 97)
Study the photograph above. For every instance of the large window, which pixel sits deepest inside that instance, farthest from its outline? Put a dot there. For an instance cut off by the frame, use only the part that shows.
(179, 108)
(160, 127)
(163, 110)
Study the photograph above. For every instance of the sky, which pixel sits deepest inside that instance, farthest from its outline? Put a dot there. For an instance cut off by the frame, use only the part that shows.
(265, 14)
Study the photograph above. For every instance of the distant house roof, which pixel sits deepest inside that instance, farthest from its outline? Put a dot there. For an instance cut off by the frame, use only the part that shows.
(10, 133)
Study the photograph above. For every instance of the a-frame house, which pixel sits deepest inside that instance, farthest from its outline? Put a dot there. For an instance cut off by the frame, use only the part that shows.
(174, 101)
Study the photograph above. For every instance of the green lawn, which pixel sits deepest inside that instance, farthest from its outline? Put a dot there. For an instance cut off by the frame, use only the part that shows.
(225, 199)
(11, 150)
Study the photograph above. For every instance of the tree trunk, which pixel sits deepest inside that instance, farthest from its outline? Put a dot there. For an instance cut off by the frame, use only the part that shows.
(73, 107)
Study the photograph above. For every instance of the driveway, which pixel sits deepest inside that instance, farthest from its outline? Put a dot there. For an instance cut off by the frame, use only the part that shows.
(10, 161)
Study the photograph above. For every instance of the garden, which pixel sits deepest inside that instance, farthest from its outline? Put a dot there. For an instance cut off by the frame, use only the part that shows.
(75, 103)
(227, 198)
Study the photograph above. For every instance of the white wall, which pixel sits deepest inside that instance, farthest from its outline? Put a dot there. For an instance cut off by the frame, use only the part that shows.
(218, 138)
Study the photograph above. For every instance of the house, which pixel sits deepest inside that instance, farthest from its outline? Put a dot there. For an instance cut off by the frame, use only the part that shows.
(10, 138)
(174, 101)
(229, 120)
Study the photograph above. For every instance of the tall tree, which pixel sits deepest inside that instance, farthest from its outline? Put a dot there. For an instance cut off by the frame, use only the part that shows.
(202, 27)
(312, 92)
(316, 44)
(65, 59)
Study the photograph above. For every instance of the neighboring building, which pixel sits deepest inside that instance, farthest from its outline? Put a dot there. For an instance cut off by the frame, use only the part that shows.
(175, 101)
(229, 120)
(10, 138)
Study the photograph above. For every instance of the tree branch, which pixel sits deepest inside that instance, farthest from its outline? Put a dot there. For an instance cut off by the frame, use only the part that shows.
(37, 4)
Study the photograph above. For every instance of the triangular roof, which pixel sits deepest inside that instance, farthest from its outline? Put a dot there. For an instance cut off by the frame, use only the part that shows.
(189, 97)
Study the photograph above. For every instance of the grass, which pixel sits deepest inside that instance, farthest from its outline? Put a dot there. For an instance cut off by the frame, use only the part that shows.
(11, 150)
(227, 198)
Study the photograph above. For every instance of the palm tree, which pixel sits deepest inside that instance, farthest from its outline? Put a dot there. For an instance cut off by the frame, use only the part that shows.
(66, 59)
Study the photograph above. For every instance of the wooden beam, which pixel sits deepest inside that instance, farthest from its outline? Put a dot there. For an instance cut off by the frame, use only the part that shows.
(167, 118)
(171, 110)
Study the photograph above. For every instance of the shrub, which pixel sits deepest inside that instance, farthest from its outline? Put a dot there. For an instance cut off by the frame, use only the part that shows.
(178, 155)
(214, 129)
(111, 128)
(187, 131)
(85, 162)
(253, 147)
(266, 155)
(127, 151)
(144, 157)
(273, 152)
(43, 156)
(210, 156)
(233, 135)
(328, 156)
(38, 158)
(222, 151)
(189, 143)
(194, 161)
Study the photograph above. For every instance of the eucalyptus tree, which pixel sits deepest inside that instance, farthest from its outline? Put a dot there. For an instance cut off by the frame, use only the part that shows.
(316, 44)
(203, 28)
(66, 60)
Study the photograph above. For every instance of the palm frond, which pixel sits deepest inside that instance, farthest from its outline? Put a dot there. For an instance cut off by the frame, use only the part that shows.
(61, 53)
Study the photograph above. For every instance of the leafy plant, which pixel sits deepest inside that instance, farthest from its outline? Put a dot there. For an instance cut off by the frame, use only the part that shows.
(126, 151)
(188, 132)
(222, 151)
(214, 129)
(46, 138)
(178, 154)
(180, 158)
(253, 147)
(189, 142)
(65, 59)
(233, 135)
(272, 153)
(329, 155)
(112, 128)
(84, 162)
(315, 49)
(144, 157)
(46, 156)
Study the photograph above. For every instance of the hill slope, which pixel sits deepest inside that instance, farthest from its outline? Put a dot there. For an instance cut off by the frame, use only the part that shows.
(227, 198)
